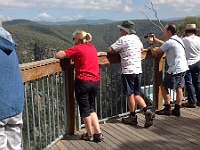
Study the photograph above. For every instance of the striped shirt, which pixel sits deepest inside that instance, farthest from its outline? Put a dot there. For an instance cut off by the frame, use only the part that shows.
(129, 48)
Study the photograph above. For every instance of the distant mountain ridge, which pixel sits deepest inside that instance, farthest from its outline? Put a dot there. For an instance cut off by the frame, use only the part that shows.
(176, 18)
(74, 22)
(80, 21)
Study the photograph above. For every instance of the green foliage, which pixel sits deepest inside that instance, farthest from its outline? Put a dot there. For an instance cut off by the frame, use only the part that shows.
(37, 41)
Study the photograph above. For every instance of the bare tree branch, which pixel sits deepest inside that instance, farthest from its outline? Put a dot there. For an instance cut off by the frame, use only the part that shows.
(156, 14)
(152, 21)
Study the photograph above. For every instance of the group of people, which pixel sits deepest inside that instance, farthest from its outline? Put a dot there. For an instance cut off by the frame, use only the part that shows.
(87, 76)
(183, 58)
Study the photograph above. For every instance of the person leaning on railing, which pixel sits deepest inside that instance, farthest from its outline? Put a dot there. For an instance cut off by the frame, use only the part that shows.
(11, 94)
(85, 60)
(129, 48)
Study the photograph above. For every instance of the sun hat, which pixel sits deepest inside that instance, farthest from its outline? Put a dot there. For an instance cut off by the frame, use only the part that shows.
(127, 26)
(190, 27)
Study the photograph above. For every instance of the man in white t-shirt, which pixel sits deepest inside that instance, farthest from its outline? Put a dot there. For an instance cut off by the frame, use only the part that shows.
(176, 60)
(192, 77)
(129, 48)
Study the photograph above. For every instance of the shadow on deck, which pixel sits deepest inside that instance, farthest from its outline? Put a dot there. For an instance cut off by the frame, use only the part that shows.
(168, 132)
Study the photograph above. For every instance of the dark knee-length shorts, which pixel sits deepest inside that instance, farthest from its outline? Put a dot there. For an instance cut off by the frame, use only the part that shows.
(86, 92)
(174, 81)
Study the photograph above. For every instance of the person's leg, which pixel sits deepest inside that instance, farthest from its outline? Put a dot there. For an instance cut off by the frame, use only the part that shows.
(168, 82)
(140, 101)
(197, 86)
(128, 85)
(132, 118)
(92, 96)
(179, 85)
(179, 96)
(137, 91)
(97, 136)
(88, 125)
(81, 91)
(3, 136)
(166, 96)
(189, 88)
(13, 131)
(149, 113)
(131, 102)
(95, 123)
(196, 80)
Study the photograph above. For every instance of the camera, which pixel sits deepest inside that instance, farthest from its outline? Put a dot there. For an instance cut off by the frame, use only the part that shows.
(146, 36)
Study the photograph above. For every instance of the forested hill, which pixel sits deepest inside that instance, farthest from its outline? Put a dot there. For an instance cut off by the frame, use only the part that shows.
(36, 41)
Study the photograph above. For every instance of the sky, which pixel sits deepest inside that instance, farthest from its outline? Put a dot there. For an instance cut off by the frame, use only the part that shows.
(116, 10)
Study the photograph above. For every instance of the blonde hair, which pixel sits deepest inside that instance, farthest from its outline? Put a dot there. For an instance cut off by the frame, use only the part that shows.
(0, 23)
(82, 35)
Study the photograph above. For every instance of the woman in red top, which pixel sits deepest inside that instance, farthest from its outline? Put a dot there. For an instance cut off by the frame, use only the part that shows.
(85, 60)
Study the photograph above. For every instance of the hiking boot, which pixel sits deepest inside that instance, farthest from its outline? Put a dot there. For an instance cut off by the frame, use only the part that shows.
(98, 137)
(198, 104)
(166, 111)
(176, 112)
(149, 117)
(189, 105)
(130, 120)
(86, 137)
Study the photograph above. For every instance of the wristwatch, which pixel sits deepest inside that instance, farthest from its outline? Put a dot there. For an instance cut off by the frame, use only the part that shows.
(150, 43)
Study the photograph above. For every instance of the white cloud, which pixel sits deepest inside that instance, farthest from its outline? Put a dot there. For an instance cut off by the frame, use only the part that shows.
(116, 5)
(3, 18)
(122, 5)
(68, 18)
(45, 16)
(15, 4)
(179, 4)
(105, 8)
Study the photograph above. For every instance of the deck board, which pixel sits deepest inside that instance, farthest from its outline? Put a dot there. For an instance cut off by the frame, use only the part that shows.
(168, 132)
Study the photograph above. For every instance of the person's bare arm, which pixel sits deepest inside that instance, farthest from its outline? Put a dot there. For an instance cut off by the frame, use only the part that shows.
(158, 41)
(156, 51)
(110, 50)
(61, 55)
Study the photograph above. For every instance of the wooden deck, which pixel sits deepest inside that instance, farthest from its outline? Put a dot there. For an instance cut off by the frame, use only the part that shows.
(168, 132)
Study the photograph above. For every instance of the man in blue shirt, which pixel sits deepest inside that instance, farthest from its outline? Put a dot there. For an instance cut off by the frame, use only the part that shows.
(11, 94)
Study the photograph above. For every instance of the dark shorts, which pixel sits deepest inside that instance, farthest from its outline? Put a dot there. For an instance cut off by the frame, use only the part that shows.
(174, 81)
(85, 92)
(131, 84)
